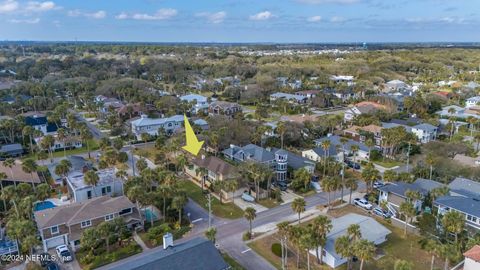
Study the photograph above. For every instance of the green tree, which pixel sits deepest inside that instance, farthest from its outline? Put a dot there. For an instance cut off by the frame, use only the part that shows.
(370, 175)
(86, 136)
(307, 242)
(302, 176)
(211, 234)
(91, 178)
(298, 206)
(364, 251)
(351, 184)
(325, 146)
(29, 166)
(178, 203)
(454, 222)
(408, 210)
(250, 214)
(105, 231)
(321, 226)
(343, 248)
(402, 265)
(62, 135)
(43, 191)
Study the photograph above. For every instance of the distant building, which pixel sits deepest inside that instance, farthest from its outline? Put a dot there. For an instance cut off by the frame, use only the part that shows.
(473, 101)
(40, 123)
(224, 108)
(349, 80)
(151, 125)
(425, 132)
(201, 102)
(16, 175)
(300, 99)
(396, 85)
(11, 150)
(108, 184)
(364, 107)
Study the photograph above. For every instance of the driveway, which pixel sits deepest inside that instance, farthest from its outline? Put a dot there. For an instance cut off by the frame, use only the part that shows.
(244, 204)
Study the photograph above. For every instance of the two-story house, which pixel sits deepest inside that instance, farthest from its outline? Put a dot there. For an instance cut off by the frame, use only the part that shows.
(293, 98)
(362, 134)
(40, 123)
(108, 184)
(65, 224)
(200, 102)
(425, 132)
(471, 102)
(224, 108)
(336, 148)
(250, 152)
(152, 125)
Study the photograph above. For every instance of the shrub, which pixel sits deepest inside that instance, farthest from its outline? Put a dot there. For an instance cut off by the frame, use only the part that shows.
(246, 236)
(277, 249)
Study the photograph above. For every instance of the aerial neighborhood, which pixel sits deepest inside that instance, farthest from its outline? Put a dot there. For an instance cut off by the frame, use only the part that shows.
(325, 159)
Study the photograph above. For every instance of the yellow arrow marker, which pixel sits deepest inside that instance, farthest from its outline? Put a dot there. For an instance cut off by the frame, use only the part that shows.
(193, 145)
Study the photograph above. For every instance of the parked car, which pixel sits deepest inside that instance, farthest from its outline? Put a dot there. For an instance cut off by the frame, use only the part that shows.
(64, 253)
(363, 203)
(371, 197)
(281, 185)
(247, 197)
(378, 184)
(353, 165)
(52, 266)
(380, 212)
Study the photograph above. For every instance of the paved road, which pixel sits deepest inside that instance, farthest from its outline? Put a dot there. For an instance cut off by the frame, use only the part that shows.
(96, 133)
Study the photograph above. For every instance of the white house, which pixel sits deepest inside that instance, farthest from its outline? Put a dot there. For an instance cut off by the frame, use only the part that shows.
(343, 79)
(472, 258)
(473, 101)
(289, 97)
(201, 102)
(151, 125)
(71, 142)
(108, 184)
(396, 85)
(371, 230)
(425, 132)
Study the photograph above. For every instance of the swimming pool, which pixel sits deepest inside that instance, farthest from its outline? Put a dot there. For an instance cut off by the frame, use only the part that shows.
(43, 205)
(149, 215)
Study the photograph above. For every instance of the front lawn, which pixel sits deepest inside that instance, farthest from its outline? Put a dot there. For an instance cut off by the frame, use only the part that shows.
(223, 210)
(388, 163)
(153, 237)
(268, 203)
(93, 144)
(119, 253)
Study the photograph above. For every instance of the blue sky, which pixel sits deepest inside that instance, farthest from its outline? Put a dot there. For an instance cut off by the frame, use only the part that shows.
(241, 20)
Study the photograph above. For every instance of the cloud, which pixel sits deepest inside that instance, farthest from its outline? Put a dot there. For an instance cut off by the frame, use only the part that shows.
(317, 2)
(27, 21)
(8, 6)
(216, 17)
(94, 15)
(161, 14)
(337, 19)
(262, 16)
(314, 18)
(35, 6)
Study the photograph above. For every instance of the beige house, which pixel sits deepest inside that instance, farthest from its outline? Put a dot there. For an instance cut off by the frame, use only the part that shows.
(65, 224)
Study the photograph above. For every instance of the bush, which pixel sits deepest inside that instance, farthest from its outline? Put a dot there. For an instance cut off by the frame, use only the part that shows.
(277, 249)
(246, 236)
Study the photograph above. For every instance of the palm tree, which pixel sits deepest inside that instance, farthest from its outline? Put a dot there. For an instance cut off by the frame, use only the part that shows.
(201, 172)
(328, 186)
(43, 191)
(351, 184)
(62, 136)
(325, 146)
(86, 136)
(354, 233)
(231, 185)
(141, 164)
(354, 148)
(91, 178)
(402, 265)
(105, 230)
(369, 143)
(389, 176)
(165, 191)
(321, 226)
(431, 246)
(29, 166)
(10, 194)
(283, 228)
(178, 203)
(211, 234)
(281, 129)
(438, 192)
(430, 160)
(307, 242)
(408, 210)
(364, 250)
(298, 206)
(344, 249)
(28, 131)
(370, 175)
(47, 143)
(9, 163)
(3, 176)
(250, 214)
(454, 222)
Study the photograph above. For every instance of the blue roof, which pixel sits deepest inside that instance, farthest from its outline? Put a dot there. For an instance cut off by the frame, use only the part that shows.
(200, 122)
(36, 121)
(465, 187)
(251, 151)
(466, 205)
(424, 186)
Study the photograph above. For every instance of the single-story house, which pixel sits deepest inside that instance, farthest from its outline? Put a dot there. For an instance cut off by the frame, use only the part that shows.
(16, 174)
(370, 229)
(300, 99)
(11, 150)
(336, 148)
(65, 224)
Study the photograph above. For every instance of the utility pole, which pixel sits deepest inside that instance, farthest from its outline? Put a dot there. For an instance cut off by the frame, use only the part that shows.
(209, 211)
(408, 156)
(133, 161)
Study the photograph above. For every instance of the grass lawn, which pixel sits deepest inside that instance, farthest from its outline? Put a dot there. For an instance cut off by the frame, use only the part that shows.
(231, 261)
(388, 163)
(116, 254)
(223, 210)
(146, 152)
(310, 192)
(93, 144)
(269, 203)
(396, 247)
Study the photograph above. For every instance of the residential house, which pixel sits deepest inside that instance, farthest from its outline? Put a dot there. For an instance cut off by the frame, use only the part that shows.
(65, 224)
(473, 101)
(472, 258)
(7, 245)
(289, 97)
(295, 84)
(70, 142)
(108, 184)
(200, 102)
(16, 175)
(282, 81)
(396, 193)
(217, 170)
(364, 107)
(336, 147)
(201, 123)
(151, 126)
(250, 152)
(106, 104)
(309, 94)
(349, 80)
(132, 110)
(472, 85)
(40, 123)
(293, 161)
(370, 230)
(425, 132)
(343, 94)
(362, 134)
(11, 150)
(79, 165)
(197, 253)
(224, 108)
(395, 85)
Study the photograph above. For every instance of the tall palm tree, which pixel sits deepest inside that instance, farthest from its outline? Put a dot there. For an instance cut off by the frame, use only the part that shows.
(354, 148)
(430, 160)
(328, 186)
(343, 248)
(431, 246)
(86, 136)
(28, 131)
(3, 176)
(9, 163)
(165, 191)
(281, 129)
(321, 226)
(283, 228)
(454, 222)
(10, 195)
(298, 206)
(29, 166)
(250, 214)
(62, 136)
(47, 143)
(91, 178)
(307, 242)
(408, 210)
(364, 250)
(178, 203)
(201, 172)
(351, 184)
(43, 191)
(325, 146)
(343, 141)
(354, 233)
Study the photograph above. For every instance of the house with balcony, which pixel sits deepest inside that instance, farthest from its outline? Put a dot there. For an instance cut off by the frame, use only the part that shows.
(39, 122)
(151, 126)
(335, 149)
(108, 185)
(64, 225)
(425, 132)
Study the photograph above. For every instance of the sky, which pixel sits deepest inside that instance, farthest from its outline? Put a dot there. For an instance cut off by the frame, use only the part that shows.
(284, 21)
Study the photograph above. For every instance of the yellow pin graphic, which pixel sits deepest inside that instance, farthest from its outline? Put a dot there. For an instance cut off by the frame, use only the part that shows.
(193, 145)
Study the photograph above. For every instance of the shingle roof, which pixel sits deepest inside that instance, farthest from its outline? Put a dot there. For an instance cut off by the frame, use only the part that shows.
(36, 121)
(9, 148)
(192, 97)
(371, 230)
(198, 254)
(473, 253)
(466, 205)
(251, 151)
(80, 211)
(465, 186)
(145, 121)
(295, 161)
(426, 126)
(421, 185)
(18, 174)
(215, 165)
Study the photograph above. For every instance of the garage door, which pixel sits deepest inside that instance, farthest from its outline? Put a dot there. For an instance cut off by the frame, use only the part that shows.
(54, 242)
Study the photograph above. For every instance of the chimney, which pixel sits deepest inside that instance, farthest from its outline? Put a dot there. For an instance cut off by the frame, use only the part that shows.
(167, 240)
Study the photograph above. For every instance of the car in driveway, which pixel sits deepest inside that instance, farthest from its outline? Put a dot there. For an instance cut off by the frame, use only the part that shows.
(382, 213)
(64, 253)
(353, 165)
(378, 184)
(363, 203)
(281, 185)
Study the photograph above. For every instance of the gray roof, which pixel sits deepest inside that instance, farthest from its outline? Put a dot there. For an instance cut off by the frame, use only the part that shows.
(251, 151)
(105, 176)
(335, 141)
(426, 127)
(393, 125)
(421, 185)
(192, 97)
(295, 161)
(466, 205)
(198, 254)
(465, 187)
(371, 230)
(78, 164)
(288, 96)
(11, 148)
